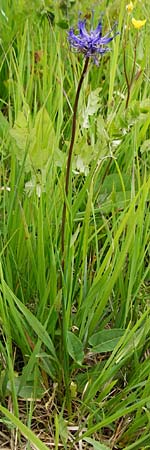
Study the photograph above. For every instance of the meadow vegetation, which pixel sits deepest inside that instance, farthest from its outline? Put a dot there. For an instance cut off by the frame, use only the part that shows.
(74, 338)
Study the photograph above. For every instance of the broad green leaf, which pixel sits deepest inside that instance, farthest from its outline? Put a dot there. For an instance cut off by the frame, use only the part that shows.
(75, 347)
(59, 158)
(102, 133)
(62, 24)
(42, 139)
(20, 135)
(26, 391)
(106, 340)
(20, 131)
(83, 155)
(96, 445)
(93, 105)
(113, 181)
(39, 140)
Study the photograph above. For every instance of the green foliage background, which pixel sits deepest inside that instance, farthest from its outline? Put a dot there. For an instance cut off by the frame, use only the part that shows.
(103, 377)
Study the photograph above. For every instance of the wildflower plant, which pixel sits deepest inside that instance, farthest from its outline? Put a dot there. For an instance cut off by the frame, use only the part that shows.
(104, 287)
(92, 45)
(129, 7)
(137, 24)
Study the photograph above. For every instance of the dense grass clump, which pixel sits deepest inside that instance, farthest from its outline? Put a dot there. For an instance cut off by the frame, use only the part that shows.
(74, 319)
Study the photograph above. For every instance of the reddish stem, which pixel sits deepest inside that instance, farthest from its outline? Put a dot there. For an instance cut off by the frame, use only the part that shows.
(70, 155)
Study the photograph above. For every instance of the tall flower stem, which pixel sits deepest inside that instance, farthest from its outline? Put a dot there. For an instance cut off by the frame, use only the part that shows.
(64, 321)
(74, 120)
(129, 82)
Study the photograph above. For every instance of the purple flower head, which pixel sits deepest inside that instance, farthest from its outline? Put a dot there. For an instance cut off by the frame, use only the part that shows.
(91, 44)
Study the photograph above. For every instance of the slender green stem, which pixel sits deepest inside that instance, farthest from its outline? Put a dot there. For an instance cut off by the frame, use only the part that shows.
(129, 82)
(126, 78)
(70, 156)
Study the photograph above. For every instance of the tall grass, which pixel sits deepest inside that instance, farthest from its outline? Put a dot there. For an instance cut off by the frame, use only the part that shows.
(106, 275)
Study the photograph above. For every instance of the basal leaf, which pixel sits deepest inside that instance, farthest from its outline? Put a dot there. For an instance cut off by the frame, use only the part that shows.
(42, 139)
(96, 445)
(75, 347)
(20, 130)
(105, 340)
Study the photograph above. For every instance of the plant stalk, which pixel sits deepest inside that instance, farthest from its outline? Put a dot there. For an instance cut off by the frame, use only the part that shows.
(70, 156)
(129, 82)
(64, 319)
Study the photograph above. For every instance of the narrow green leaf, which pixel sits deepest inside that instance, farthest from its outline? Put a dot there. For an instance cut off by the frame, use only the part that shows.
(24, 430)
(33, 321)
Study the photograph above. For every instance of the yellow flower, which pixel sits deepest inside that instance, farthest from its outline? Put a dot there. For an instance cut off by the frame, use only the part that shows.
(129, 7)
(138, 23)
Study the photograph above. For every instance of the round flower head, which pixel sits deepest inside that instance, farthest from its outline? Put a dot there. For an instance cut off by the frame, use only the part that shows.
(91, 44)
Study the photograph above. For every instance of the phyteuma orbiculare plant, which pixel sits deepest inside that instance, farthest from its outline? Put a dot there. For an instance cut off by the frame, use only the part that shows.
(92, 45)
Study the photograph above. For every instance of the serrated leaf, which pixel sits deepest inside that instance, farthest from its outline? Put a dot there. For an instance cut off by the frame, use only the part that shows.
(83, 155)
(105, 340)
(101, 128)
(93, 105)
(75, 347)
